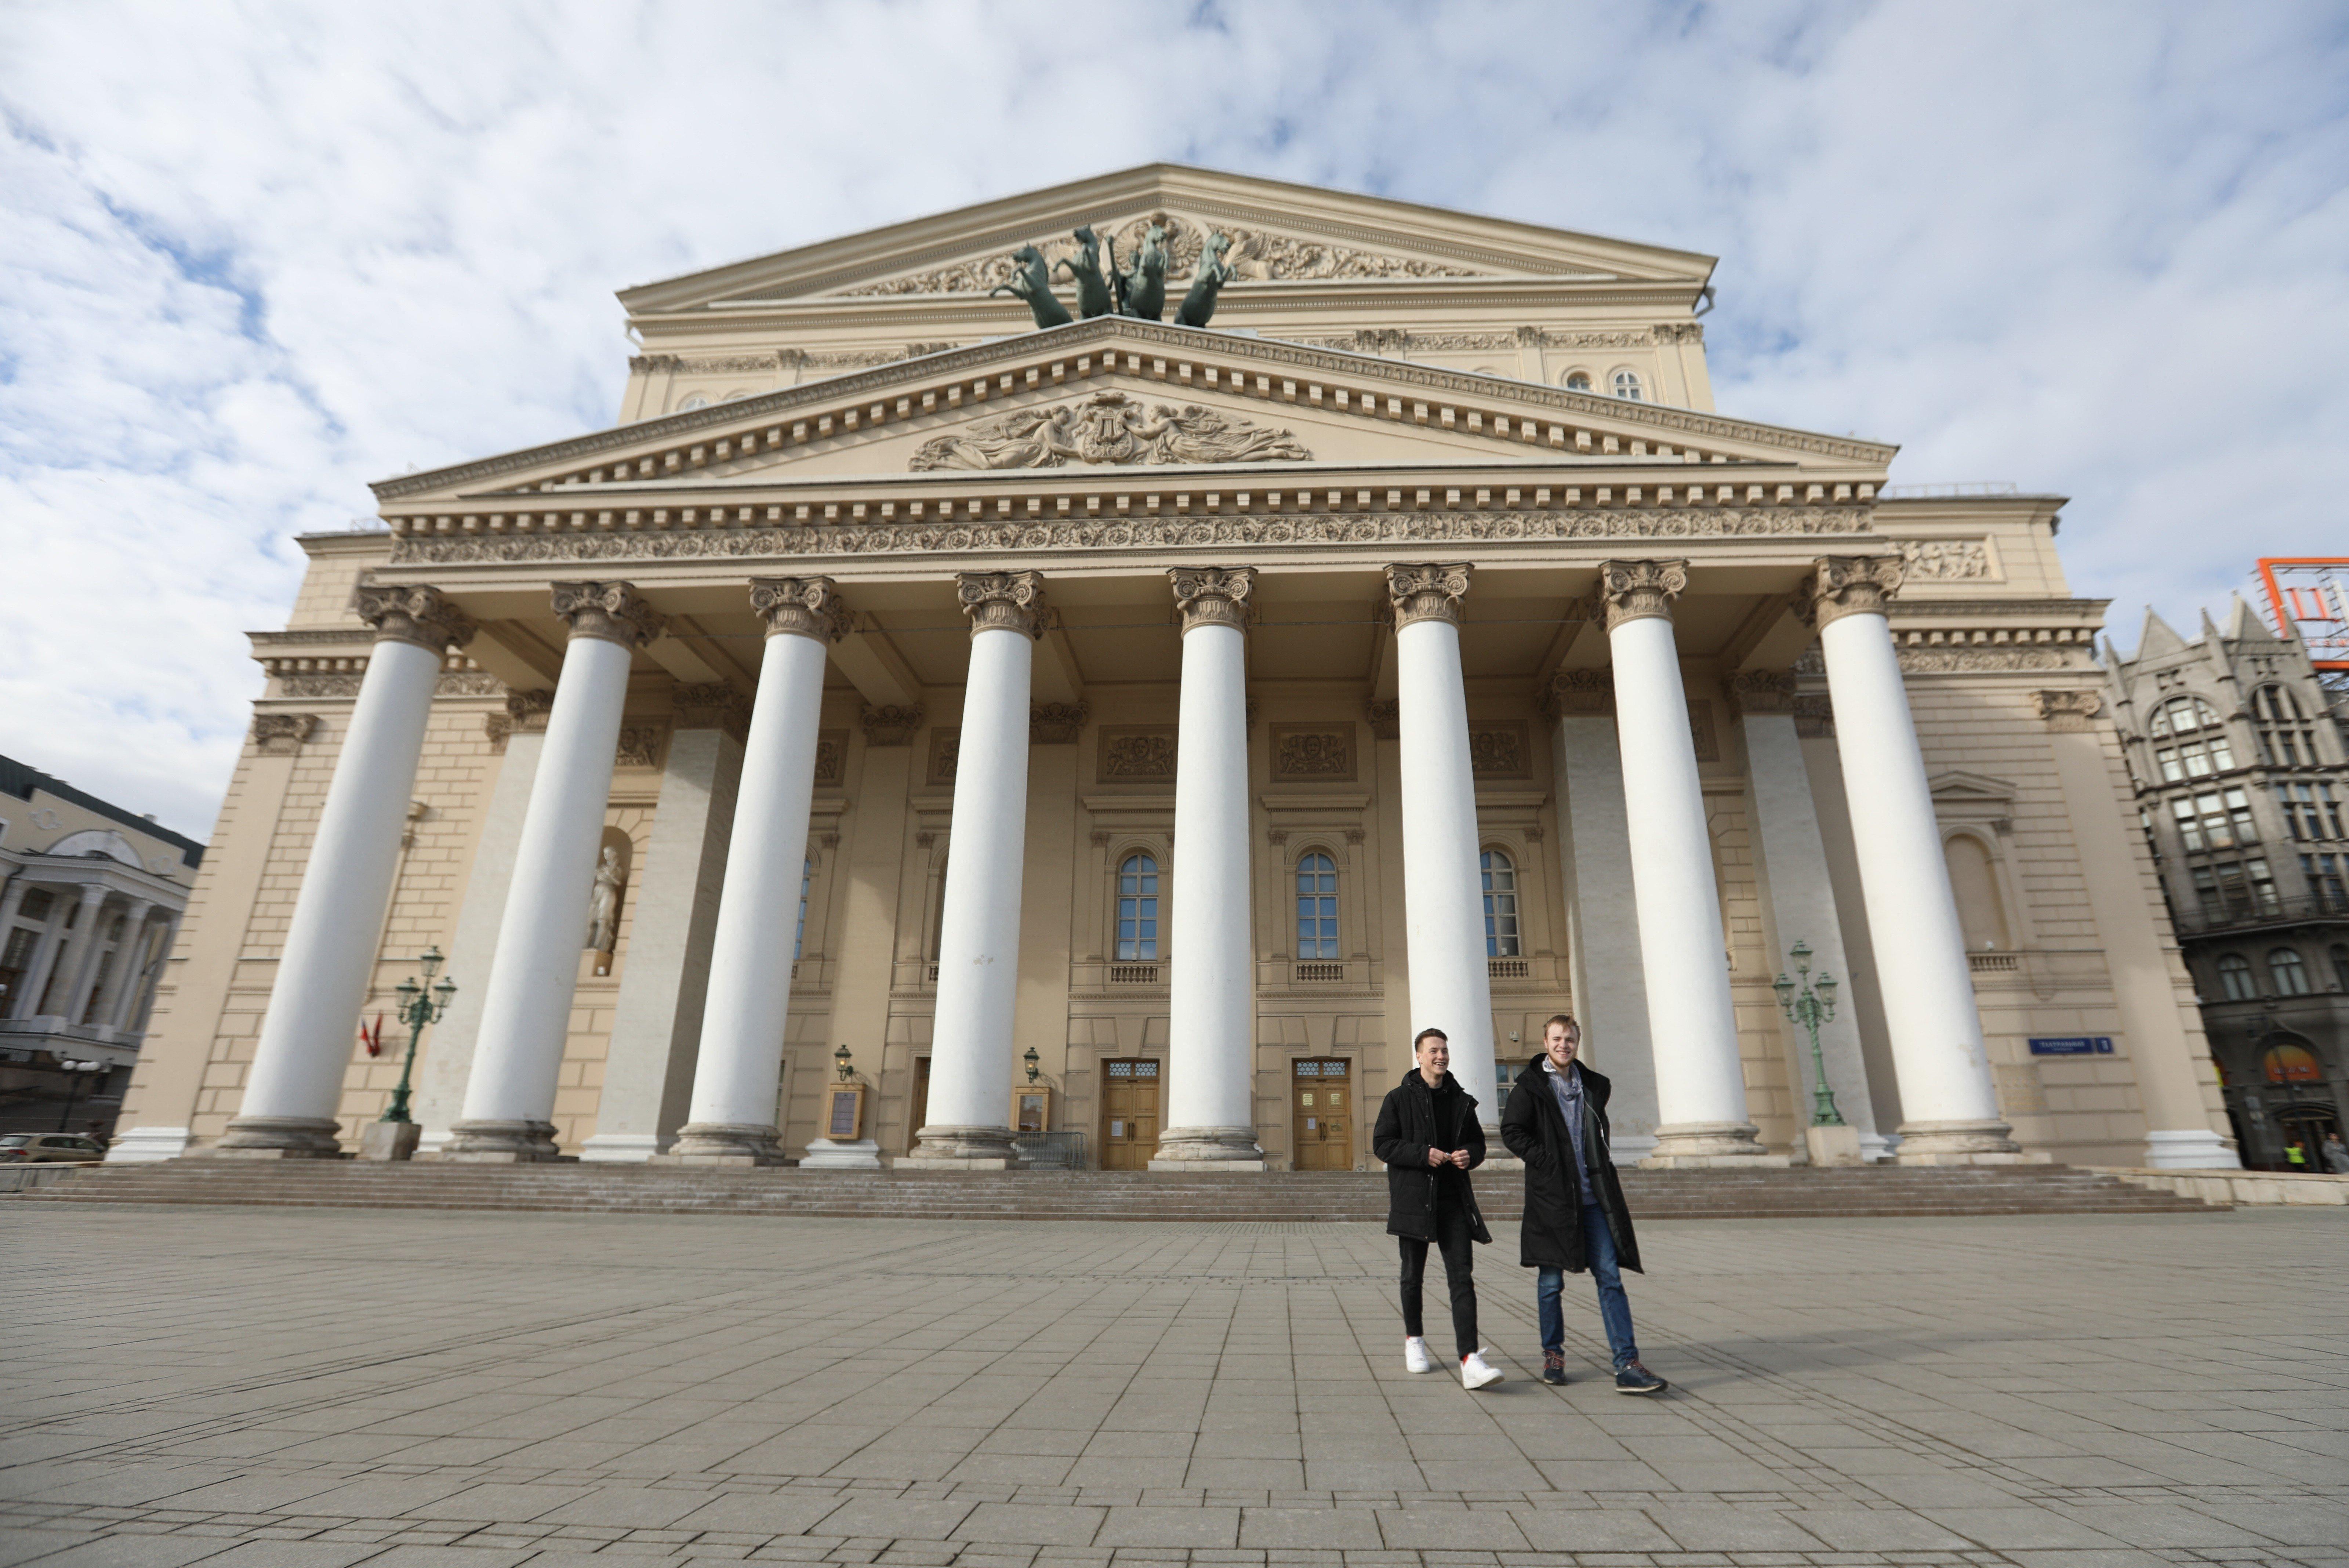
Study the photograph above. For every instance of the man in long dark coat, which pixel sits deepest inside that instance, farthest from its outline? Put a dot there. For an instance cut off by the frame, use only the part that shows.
(1429, 1138)
(1556, 1121)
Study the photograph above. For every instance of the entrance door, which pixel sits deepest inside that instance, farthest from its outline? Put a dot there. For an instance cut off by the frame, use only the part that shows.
(1322, 1113)
(1129, 1113)
(920, 1111)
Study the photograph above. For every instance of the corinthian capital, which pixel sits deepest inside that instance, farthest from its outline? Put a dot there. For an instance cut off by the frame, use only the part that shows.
(2072, 711)
(1427, 592)
(417, 615)
(613, 611)
(1636, 590)
(1762, 691)
(1011, 601)
(1213, 596)
(1839, 586)
(1580, 693)
(800, 607)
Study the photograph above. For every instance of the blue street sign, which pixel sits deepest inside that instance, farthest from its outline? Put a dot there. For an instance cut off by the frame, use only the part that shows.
(2071, 1045)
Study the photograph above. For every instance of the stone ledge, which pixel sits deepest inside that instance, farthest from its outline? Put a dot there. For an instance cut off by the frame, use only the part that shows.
(2252, 1188)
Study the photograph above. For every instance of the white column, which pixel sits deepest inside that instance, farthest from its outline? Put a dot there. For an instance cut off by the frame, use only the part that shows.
(969, 1105)
(447, 1055)
(122, 974)
(1443, 895)
(526, 1006)
(731, 1117)
(142, 1002)
(1691, 1027)
(1791, 853)
(45, 958)
(1594, 852)
(1948, 1106)
(294, 1088)
(1211, 1024)
(81, 950)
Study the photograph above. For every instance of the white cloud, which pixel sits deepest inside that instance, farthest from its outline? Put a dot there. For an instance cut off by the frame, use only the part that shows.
(261, 253)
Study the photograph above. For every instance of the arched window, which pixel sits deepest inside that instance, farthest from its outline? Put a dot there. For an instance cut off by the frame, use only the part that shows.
(734, 396)
(1578, 380)
(2290, 975)
(1980, 911)
(1317, 908)
(2275, 702)
(1627, 385)
(2291, 1065)
(1500, 875)
(693, 403)
(2235, 978)
(1137, 907)
(807, 880)
(2194, 758)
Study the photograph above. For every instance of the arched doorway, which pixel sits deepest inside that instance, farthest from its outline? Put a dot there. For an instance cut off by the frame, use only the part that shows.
(2299, 1111)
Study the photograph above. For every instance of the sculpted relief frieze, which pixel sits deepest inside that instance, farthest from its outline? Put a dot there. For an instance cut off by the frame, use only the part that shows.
(1108, 428)
(1255, 254)
(1136, 534)
(1944, 559)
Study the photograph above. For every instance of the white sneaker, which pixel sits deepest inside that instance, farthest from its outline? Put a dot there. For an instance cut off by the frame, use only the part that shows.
(1475, 1374)
(1415, 1357)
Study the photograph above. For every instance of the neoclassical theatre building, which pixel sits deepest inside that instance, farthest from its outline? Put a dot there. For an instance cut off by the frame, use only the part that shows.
(1103, 739)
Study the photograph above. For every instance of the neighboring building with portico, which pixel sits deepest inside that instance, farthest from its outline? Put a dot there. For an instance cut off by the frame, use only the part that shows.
(90, 896)
(1145, 729)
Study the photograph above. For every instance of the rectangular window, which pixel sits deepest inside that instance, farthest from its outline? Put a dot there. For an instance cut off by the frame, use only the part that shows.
(2223, 755)
(2171, 770)
(2197, 760)
(2263, 890)
(2206, 891)
(2238, 818)
(2189, 826)
(2324, 878)
(2332, 812)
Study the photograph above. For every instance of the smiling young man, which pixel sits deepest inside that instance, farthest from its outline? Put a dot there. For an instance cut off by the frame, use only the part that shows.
(1556, 1121)
(1428, 1135)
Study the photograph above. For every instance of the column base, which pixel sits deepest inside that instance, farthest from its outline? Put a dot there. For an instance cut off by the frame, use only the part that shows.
(390, 1140)
(500, 1143)
(619, 1148)
(1989, 1142)
(823, 1154)
(964, 1148)
(724, 1143)
(1207, 1148)
(1630, 1148)
(2186, 1150)
(278, 1137)
(1710, 1145)
(1875, 1148)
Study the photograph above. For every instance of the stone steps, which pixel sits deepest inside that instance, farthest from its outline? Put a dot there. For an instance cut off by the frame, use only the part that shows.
(1282, 1197)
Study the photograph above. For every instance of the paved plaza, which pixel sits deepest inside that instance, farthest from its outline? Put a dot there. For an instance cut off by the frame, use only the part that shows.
(317, 1390)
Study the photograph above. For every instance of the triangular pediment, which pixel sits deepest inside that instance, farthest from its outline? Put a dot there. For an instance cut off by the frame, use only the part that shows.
(1282, 233)
(1959, 787)
(1114, 393)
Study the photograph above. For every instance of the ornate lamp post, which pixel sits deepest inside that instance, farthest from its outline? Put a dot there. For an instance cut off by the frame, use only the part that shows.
(416, 1010)
(1813, 1005)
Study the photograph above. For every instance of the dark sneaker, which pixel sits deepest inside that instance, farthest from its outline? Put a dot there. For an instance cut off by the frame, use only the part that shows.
(1553, 1366)
(1637, 1379)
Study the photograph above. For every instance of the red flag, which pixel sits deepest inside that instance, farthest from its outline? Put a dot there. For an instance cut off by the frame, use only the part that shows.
(373, 1038)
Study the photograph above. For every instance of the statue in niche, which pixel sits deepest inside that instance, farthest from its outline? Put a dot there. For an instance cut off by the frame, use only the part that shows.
(1031, 281)
(604, 909)
(1093, 288)
(1206, 281)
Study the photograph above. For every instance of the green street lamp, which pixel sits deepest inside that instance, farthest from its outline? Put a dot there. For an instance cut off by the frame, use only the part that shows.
(417, 1010)
(1813, 1005)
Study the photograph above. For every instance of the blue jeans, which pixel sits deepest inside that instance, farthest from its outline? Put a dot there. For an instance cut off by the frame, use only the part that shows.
(1614, 1307)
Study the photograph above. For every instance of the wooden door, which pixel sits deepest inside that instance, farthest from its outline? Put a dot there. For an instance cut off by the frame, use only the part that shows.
(1322, 1113)
(1129, 1113)
(920, 1111)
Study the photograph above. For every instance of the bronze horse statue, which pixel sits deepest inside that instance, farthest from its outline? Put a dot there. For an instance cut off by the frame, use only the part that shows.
(1213, 273)
(1143, 289)
(1032, 281)
(1093, 289)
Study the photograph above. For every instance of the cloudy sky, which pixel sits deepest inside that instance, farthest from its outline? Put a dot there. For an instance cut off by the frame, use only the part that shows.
(257, 255)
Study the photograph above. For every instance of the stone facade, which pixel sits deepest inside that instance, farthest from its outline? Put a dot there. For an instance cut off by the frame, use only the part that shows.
(2236, 748)
(1427, 638)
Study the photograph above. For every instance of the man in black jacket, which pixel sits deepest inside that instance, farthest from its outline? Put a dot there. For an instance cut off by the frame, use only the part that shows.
(1556, 1121)
(1428, 1135)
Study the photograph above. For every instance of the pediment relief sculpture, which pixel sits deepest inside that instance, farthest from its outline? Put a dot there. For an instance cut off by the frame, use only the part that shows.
(1255, 255)
(1108, 428)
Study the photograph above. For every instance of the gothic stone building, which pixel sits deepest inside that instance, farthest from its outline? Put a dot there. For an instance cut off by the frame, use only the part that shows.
(1140, 730)
(2243, 781)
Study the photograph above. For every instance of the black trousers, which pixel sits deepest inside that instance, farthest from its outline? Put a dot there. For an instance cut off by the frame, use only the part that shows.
(1459, 1265)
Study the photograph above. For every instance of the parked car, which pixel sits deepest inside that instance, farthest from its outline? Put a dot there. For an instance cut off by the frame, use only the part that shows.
(36, 1146)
